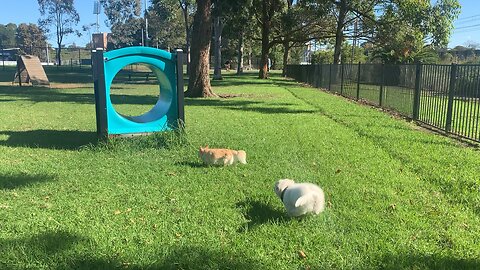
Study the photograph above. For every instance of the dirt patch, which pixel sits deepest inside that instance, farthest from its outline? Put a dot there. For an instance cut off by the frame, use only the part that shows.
(70, 85)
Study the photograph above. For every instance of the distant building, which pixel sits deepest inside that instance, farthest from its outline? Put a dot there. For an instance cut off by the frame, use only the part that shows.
(9, 54)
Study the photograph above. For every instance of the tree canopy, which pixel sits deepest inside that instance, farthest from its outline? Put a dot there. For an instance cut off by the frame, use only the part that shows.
(60, 15)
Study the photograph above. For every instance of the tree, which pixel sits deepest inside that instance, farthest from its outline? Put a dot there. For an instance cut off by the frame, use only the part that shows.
(303, 22)
(124, 21)
(407, 31)
(166, 24)
(7, 35)
(187, 10)
(31, 39)
(217, 39)
(238, 26)
(199, 80)
(62, 16)
(359, 13)
(267, 15)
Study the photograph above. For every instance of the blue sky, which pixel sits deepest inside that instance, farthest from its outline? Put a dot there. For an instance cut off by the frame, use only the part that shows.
(26, 11)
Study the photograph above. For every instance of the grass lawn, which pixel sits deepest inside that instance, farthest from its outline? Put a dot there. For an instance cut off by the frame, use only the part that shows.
(398, 197)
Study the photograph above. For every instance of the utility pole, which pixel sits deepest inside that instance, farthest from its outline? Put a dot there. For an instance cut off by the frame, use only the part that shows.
(146, 24)
(96, 10)
(355, 28)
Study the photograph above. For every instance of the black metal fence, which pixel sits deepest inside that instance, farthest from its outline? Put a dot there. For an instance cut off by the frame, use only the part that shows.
(443, 96)
(73, 57)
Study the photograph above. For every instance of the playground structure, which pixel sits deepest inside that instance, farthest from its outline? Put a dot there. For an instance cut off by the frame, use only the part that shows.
(30, 70)
(166, 114)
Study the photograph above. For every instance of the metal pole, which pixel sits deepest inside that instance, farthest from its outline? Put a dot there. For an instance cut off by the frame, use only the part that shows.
(330, 78)
(3, 58)
(341, 79)
(146, 24)
(418, 90)
(382, 82)
(100, 93)
(48, 56)
(180, 94)
(358, 82)
(451, 96)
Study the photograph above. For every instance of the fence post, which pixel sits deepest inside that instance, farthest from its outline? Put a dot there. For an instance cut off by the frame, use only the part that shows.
(330, 78)
(358, 82)
(382, 83)
(451, 95)
(341, 80)
(3, 59)
(417, 93)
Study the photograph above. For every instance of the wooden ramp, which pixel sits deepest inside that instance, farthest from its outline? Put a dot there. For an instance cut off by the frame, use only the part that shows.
(30, 70)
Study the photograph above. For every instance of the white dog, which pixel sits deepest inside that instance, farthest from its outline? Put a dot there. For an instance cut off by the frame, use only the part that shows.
(300, 199)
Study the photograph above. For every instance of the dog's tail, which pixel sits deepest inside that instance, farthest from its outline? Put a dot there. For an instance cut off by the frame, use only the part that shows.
(318, 201)
(241, 156)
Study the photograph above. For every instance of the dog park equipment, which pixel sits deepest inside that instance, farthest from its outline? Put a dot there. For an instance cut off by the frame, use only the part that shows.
(30, 70)
(166, 114)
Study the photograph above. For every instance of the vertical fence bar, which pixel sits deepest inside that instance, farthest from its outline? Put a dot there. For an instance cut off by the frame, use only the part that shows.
(358, 82)
(330, 78)
(341, 79)
(476, 115)
(451, 95)
(416, 94)
(382, 82)
(3, 59)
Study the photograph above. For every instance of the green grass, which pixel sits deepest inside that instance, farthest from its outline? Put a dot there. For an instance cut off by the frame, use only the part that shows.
(398, 197)
(433, 109)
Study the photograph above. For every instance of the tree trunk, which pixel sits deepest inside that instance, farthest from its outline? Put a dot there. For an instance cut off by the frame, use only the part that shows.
(286, 51)
(250, 57)
(59, 57)
(199, 80)
(217, 48)
(263, 69)
(339, 31)
(240, 54)
(187, 39)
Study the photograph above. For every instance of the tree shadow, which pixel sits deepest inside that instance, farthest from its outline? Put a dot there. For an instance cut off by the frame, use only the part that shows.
(219, 102)
(422, 261)
(192, 164)
(52, 250)
(192, 257)
(50, 139)
(248, 105)
(272, 110)
(13, 181)
(257, 213)
(42, 94)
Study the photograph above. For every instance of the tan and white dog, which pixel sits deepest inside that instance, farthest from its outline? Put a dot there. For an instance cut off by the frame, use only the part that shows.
(225, 157)
(300, 199)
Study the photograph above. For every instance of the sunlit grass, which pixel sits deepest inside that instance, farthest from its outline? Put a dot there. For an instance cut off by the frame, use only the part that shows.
(397, 197)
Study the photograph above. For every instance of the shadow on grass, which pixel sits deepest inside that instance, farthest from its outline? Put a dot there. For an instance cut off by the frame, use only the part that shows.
(42, 94)
(13, 181)
(248, 106)
(192, 164)
(50, 139)
(63, 250)
(50, 250)
(202, 258)
(411, 261)
(258, 213)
